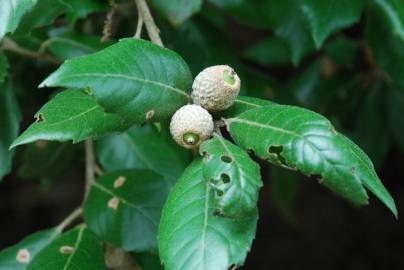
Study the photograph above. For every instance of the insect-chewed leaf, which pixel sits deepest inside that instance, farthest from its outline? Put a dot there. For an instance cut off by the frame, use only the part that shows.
(233, 176)
(18, 257)
(70, 115)
(133, 78)
(75, 249)
(124, 208)
(192, 236)
(303, 140)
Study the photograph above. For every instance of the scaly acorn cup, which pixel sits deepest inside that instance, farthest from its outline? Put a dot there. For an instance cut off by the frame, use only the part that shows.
(215, 88)
(191, 125)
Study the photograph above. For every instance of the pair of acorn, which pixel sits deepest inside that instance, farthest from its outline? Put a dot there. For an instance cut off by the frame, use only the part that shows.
(214, 89)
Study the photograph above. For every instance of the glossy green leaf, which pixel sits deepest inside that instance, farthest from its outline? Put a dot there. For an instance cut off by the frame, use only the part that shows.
(300, 139)
(133, 78)
(232, 174)
(394, 12)
(18, 256)
(193, 236)
(76, 249)
(142, 148)
(70, 115)
(44, 13)
(243, 104)
(43, 159)
(70, 44)
(10, 117)
(327, 17)
(11, 13)
(3, 67)
(177, 11)
(124, 208)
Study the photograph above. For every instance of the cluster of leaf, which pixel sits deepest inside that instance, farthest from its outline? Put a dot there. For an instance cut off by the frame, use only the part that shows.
(152, 200)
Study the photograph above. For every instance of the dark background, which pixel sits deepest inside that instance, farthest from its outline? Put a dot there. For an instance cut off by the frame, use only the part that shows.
(320, 230)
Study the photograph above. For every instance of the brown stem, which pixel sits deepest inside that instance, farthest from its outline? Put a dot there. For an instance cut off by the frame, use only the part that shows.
(151, 26)
(69, 219)
(139, 26)
(90, 166)
(12, 46)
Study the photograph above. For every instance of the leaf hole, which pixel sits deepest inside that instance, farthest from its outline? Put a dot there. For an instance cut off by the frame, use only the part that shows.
(219, 192)
(225, 178)
(277, 151)
(218, 213)
(39, 118)
(226, 159)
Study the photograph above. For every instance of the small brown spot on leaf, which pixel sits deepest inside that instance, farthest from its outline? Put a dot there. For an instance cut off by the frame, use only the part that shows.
(40, 118)
(41, 144)
(149, 114)
(119, 181)
(66, 249)
(23, 256)
(113, 203)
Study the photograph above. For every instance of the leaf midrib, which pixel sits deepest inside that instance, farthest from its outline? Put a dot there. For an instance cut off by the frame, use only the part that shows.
(76, 245)
(132, 78)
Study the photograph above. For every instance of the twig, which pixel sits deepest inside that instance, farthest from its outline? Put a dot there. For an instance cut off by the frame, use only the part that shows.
(139, 26)
(69, 219)
(151, 26)
(90, 166)
(109, 21)
(12, 46)
(98, 170)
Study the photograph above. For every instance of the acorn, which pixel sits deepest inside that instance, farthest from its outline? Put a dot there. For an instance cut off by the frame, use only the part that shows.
(215, 88)
(191, 125)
